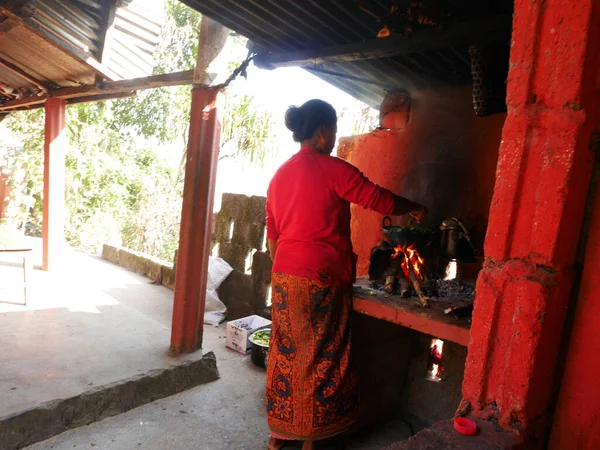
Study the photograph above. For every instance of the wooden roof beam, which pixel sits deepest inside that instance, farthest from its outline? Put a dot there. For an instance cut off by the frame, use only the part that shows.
(484, 30)
(24, 75)
(104, 91)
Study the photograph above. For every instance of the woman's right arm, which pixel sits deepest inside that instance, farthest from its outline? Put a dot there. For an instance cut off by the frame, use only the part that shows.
(353, 186)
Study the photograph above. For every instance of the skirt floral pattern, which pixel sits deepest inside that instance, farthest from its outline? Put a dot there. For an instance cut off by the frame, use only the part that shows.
(312, 386)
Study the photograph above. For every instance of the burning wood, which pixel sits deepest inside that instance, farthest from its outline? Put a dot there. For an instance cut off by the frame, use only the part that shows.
(417, 285)
(404, 286)
(391, 274)
(412, 267)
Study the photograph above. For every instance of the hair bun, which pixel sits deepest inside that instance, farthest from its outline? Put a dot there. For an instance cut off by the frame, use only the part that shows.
(304, 121)
(294, 120)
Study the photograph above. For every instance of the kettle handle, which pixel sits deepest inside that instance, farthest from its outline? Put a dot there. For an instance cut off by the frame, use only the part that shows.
(388, 220)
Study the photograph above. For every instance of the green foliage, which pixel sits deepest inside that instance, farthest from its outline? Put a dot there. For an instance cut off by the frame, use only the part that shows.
(121, 187)
(163, 114)
(159, 114)
(246, 132)
(25, 162)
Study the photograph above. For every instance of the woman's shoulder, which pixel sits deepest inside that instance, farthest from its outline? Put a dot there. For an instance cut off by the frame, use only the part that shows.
(341, 164)
(285, 169)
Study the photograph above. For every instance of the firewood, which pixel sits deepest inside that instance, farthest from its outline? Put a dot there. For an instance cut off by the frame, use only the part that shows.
(416, 284)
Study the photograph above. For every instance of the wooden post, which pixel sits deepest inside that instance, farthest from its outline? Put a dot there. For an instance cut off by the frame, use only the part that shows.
(54, 182)
(198, 197)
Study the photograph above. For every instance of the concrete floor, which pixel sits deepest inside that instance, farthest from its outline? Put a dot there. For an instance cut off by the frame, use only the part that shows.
(93, 323)
(226, 414)
(87, 325)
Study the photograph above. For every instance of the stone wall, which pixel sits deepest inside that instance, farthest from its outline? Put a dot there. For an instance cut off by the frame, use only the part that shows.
(239, 237)
(160, 272)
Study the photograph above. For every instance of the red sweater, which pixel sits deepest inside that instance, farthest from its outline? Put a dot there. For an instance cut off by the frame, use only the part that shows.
(308, 214)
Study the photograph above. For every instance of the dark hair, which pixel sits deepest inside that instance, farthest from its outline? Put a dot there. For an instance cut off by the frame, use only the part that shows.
(305, 120)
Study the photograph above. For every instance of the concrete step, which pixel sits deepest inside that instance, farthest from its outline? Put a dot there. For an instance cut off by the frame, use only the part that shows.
(51, 418)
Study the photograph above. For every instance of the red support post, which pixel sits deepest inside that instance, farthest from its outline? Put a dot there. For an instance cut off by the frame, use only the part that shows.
(542, 180)
(54, 183)
(196, 217)
(198, 196)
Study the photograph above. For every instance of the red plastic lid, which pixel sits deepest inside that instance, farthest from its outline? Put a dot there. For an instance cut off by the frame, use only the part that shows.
(465, 426)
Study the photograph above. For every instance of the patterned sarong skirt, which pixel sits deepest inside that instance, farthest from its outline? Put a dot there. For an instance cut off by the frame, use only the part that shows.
(312, 386)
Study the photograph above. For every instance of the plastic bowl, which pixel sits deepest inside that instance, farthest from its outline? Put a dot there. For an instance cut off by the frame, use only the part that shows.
(465, 426)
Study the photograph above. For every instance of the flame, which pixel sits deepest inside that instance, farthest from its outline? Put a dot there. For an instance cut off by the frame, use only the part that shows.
(411, 258)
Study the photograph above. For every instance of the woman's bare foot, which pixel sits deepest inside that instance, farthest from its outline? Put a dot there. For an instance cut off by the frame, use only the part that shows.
(309, 445)
(276, 444)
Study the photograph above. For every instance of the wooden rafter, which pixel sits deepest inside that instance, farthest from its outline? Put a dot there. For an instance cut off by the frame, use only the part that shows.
(483, 30)
(24, 75)
(104, 91)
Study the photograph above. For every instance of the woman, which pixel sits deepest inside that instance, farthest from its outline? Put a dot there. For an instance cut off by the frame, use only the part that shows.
(312, 387)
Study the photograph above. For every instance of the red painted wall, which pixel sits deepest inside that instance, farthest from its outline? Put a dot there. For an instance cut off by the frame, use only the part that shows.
(445, 158)
(577, 415)
(577, 420)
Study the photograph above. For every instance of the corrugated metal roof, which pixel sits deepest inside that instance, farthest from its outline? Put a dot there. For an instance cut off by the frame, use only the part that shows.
(277, 25)
(78, 22)
(51, 43)
(132, 38)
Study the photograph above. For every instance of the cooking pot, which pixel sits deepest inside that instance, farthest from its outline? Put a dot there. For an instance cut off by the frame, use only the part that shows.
(403, 236)
(456, 241)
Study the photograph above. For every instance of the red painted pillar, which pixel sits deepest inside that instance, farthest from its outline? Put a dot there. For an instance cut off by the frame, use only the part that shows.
(196, 216)
(54, 183)
(541, 188)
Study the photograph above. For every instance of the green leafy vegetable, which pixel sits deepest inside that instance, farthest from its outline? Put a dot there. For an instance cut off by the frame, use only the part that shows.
(262, 337)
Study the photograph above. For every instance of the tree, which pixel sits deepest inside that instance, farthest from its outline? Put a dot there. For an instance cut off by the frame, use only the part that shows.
(121, 186)
(247, 132)
(26, 165)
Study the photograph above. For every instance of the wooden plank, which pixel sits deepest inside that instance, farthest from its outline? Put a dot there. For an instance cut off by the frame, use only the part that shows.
(151, 82)
(484, 30)
(24, 75)
(23, 102)
(60, 44)
(116, 89)
(101, 98)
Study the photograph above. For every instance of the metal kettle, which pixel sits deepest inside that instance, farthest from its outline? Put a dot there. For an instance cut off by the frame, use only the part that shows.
(456, 241)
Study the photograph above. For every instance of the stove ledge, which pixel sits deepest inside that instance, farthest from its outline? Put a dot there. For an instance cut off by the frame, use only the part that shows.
(408, 313)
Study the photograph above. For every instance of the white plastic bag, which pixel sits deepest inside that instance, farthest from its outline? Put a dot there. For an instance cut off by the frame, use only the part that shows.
(218, 271)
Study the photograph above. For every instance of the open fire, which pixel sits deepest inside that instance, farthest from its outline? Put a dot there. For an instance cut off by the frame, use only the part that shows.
(422, 263)
(411, 260)
(406, 269)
